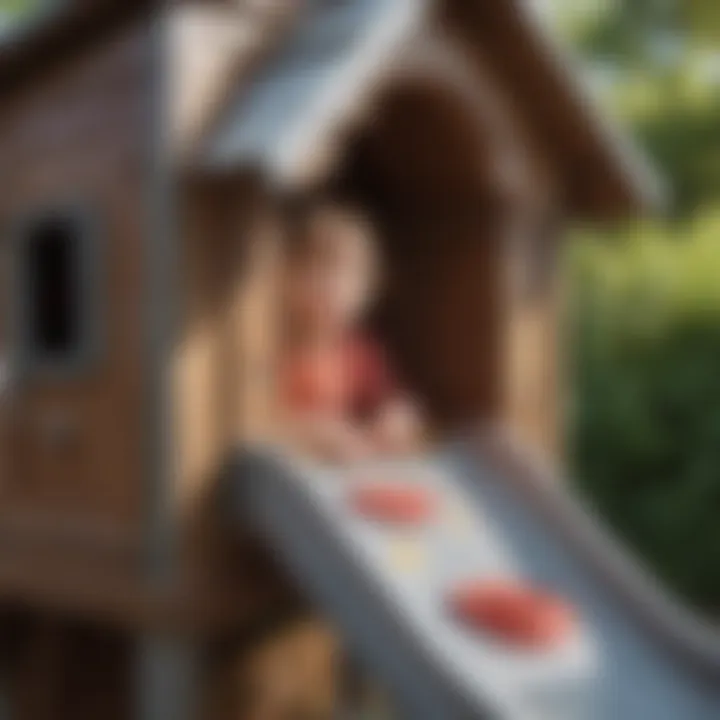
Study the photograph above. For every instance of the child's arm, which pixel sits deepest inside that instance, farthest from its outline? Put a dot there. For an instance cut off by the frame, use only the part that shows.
(396, 424)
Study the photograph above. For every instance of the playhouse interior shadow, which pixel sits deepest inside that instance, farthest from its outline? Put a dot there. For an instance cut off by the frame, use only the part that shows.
(423, 170)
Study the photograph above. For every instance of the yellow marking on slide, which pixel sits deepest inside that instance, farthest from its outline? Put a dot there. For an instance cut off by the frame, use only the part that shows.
(408, 555)
(460, 519)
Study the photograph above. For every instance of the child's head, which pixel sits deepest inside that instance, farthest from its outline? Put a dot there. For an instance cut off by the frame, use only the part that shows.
(332, 267)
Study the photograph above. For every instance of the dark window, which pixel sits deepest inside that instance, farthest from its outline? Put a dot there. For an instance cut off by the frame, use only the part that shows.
(57, 308)
(53, 267)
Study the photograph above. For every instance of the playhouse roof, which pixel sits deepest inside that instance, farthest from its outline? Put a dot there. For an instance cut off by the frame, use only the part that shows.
(312, 84)
(604, 172)
(223, 45)
(313, 70)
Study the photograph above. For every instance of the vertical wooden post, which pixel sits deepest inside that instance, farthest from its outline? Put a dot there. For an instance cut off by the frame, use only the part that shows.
(162, 541)
(253, 323)
(530, 316)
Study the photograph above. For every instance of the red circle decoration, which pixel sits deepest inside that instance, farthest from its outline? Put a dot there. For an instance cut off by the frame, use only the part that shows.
(521, 616)
(393, 503)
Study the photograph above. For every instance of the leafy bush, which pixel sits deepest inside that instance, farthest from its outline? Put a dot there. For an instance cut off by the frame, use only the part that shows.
(645, 427)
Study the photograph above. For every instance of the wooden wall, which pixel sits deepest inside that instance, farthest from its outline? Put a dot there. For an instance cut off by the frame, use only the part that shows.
(223, 370)
(79, 134)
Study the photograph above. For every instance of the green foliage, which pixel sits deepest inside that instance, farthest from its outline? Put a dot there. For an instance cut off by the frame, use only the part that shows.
(643, 32)
(646, 426)
(681, 134)
(14, 13)
(660, 66)
(18, 7)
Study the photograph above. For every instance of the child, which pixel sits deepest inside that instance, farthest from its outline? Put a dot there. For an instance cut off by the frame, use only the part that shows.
(341, 399)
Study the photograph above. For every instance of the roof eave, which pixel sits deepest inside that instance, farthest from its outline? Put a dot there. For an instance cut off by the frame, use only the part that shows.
(604, 174)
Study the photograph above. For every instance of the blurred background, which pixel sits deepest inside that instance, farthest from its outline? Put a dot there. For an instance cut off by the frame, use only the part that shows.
(643, 326)
(643, 330)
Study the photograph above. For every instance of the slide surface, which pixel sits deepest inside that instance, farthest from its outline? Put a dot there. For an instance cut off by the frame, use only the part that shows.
(386, 585)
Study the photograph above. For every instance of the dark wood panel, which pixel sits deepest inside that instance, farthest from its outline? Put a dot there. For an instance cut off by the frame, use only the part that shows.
(80, 135)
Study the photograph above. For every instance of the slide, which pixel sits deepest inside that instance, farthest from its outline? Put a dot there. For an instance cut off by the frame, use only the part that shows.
(422, 565)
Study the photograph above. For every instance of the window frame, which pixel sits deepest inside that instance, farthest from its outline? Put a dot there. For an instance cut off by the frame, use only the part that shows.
(90, 254)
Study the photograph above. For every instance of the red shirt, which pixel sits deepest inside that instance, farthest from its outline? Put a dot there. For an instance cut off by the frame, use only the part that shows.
(351, 379)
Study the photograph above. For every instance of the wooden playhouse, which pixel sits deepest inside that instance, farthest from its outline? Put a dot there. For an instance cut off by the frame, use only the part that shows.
(144, 153)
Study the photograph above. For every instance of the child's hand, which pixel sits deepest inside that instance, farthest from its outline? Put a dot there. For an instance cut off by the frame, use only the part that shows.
(334, 440)
(398, 427)
(345, 443)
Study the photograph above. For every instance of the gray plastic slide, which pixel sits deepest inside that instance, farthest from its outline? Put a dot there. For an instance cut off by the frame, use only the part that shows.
(637, 655)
